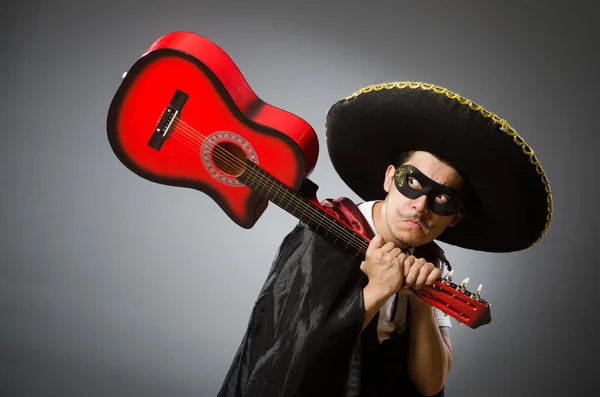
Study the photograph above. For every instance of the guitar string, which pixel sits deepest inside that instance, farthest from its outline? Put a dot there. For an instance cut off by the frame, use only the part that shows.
(354, 240)
(353, 237)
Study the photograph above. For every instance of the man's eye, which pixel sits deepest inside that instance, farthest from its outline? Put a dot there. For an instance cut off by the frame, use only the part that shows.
(442, 198)
(414, 183)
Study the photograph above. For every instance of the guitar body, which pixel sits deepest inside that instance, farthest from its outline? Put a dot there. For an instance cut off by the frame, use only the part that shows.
(185, 116)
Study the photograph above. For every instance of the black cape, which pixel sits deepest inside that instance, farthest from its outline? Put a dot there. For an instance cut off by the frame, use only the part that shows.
(304, 334)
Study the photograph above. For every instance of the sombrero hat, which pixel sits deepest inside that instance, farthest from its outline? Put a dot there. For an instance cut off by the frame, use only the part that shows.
(511, 202)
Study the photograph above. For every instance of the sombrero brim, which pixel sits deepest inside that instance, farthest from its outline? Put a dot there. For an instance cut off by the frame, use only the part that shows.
(512, 206)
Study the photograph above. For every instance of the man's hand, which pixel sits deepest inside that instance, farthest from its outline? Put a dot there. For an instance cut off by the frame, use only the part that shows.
(417, 273)
(384, 267)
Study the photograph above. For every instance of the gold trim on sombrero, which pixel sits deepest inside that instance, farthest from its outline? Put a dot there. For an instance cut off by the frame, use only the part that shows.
(504, 126)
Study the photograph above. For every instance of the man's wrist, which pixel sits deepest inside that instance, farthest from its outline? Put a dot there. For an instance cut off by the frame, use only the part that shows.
(376, 296)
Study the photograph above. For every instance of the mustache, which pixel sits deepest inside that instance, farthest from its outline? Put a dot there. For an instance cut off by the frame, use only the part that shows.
(415, 218)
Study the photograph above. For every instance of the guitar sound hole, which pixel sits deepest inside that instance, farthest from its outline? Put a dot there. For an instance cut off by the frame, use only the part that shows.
(229, 158)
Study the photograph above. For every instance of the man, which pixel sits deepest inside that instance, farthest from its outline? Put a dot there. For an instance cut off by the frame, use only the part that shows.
(401, 222)
(328, 323)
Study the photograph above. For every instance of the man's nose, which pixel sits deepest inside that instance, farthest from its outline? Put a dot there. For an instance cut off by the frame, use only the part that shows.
(420, 204)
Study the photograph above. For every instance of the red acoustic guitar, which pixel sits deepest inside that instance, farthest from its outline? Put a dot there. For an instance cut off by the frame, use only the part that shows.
(185, 116)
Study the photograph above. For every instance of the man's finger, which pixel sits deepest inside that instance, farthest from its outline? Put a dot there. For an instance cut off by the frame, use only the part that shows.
(433, 276)
(388, 247)
(422, 276)
(412, 274)
(377, 242)
(408, 263)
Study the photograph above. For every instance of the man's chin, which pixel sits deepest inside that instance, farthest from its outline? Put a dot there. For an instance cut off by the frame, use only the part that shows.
(412, 239)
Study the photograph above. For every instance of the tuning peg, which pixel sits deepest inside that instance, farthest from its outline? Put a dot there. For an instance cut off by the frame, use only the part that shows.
(449, 278)
(478, 292)
(463, 285)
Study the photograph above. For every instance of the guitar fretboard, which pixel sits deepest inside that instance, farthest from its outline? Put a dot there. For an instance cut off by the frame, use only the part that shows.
(303, 209)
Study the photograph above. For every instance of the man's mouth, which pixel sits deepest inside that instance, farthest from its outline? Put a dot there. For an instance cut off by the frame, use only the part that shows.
(413, 224)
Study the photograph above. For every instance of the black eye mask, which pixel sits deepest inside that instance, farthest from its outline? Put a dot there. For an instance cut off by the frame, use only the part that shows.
(449, 205)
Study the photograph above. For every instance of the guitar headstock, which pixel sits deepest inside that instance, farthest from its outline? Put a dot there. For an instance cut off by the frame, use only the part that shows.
(456, 301)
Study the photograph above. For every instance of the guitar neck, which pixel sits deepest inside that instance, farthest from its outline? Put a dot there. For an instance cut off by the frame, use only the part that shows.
(304, 209)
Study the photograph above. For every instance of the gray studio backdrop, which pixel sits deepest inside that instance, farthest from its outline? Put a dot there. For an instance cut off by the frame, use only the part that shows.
(113, 286)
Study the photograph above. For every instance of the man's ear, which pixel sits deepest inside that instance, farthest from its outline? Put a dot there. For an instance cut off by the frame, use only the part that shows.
(389, 178)
(457, 218)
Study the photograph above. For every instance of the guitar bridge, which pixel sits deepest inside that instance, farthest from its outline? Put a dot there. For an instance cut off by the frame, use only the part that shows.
(166, 122)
